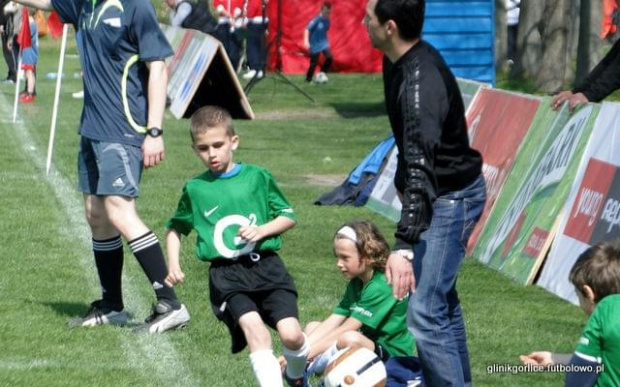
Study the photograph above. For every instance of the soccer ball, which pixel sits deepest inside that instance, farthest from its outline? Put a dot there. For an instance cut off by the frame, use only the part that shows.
(355, 367)
(320, 78)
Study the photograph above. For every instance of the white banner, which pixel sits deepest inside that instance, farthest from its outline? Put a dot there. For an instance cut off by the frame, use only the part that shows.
(590, 214)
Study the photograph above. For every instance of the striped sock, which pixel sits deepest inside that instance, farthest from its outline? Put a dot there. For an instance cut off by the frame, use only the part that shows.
(109, 260)
(150, 256)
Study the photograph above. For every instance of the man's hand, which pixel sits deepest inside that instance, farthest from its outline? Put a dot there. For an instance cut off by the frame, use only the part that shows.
(560, 98)
(399, 274)
(573, 100)
(153, 151)
(576, 100)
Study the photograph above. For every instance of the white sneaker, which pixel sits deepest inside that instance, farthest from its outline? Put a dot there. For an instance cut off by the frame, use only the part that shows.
(100, 314)
(249, 75)
(164, 318)
(260, 74)
(78, 94)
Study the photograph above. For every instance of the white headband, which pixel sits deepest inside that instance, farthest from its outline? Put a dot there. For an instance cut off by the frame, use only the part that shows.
(348, 233)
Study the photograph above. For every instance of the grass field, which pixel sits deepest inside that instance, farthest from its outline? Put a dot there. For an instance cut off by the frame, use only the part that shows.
(48, 274)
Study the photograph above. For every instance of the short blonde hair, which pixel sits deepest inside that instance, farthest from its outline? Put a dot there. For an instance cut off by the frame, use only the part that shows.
(369, 241)
(209, 117)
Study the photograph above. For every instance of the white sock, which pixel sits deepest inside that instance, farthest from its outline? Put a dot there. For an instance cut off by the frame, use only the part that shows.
(266, 368)
(296, 360)
(318, 365)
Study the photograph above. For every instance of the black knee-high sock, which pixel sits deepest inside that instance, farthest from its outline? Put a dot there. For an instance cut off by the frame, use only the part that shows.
(148, 251)
(109, 261)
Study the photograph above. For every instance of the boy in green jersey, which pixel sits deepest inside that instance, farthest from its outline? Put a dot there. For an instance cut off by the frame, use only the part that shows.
(596, 360)
(239, 213)
(368, 314)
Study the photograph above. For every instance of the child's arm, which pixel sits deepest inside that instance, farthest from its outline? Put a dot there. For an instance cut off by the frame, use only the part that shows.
(323, 343)
(255, 233)
(173, 249)
(306, 39)
(582, 378)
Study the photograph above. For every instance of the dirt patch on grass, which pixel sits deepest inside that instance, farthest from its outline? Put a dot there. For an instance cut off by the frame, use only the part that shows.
(325, 180)
(277, 115)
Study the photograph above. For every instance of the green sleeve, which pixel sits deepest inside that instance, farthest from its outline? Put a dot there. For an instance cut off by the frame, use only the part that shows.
(344, 307)
(376, 302)
(278, 205)
(183, 219)
(589, 346)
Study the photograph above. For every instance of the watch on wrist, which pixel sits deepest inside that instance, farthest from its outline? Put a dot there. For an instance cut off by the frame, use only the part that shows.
(408, 254)
(154, 131)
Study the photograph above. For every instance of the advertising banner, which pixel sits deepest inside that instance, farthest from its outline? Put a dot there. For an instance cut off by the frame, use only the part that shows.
(497, 122)
(592, 211)
(522, 223)
(200, 74)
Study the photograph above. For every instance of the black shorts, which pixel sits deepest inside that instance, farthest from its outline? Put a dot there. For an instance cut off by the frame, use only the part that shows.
(239, 286)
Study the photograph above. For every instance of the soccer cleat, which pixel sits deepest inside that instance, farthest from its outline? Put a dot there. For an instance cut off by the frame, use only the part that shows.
(249, 75)
(299, 382)
(100, 314)
(27, 98)
(164, 318)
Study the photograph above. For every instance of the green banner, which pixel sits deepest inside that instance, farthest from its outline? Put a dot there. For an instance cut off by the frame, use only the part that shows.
(520, 225)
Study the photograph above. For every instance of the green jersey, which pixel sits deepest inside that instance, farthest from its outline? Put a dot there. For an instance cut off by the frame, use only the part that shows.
(383, 317)
(600, 341)
(216, 206)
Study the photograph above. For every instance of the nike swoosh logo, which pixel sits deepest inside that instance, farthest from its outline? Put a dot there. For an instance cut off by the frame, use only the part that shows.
(211, 211)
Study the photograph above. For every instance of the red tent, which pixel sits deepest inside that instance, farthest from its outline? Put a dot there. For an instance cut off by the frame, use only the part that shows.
(347, 35)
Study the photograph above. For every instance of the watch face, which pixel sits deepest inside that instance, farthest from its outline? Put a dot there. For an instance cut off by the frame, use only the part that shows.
(154, 132)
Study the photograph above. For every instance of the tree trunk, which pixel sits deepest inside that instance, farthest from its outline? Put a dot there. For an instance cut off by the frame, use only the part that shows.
(529, 44)
(501, 35)
(554, 33)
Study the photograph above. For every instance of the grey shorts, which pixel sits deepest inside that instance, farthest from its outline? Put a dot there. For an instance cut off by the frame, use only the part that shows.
(109, 168)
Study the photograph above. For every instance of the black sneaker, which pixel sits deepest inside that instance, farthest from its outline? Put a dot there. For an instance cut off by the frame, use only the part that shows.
(100, 314)
(165, 318)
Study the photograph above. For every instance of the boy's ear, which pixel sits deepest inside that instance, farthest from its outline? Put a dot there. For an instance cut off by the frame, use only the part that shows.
(235, 142)
(589, 293)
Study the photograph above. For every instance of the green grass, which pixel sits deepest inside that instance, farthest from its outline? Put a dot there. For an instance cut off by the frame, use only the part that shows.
(48, 275)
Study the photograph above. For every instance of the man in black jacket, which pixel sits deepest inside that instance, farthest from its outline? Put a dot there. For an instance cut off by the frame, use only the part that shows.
(603, 80)
(440, 183)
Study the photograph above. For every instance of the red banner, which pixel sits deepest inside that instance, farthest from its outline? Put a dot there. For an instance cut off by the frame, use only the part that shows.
(497, 122)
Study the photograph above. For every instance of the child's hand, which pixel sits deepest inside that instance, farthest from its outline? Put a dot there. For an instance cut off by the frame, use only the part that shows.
(251, 233)
(542, 358)
(282, 362)
(175, 276)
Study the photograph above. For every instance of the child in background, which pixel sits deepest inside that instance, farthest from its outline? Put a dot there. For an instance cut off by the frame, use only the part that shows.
(315, 40)
(30, 56)
(368, 314)
(596, 276)
(239, 214)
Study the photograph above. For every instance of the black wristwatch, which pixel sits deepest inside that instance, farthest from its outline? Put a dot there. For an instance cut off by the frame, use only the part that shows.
(154, 131)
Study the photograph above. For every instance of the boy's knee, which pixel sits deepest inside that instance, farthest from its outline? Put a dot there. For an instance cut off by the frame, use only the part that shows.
(290, 333)
(350, 339)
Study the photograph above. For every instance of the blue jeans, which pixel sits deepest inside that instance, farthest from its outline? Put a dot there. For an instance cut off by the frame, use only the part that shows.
(434, 314)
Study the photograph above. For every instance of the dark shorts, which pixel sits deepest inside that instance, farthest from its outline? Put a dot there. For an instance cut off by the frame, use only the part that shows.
(108, 168)
(239, 286)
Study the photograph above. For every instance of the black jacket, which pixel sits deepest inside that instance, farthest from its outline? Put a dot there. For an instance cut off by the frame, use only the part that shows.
(604, 79)
(427, 116)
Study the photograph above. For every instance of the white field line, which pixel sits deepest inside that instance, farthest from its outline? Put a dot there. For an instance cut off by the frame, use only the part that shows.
(151, 354)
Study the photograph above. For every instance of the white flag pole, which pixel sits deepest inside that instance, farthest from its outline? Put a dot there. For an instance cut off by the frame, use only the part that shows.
(18, 72)
(61, 63)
